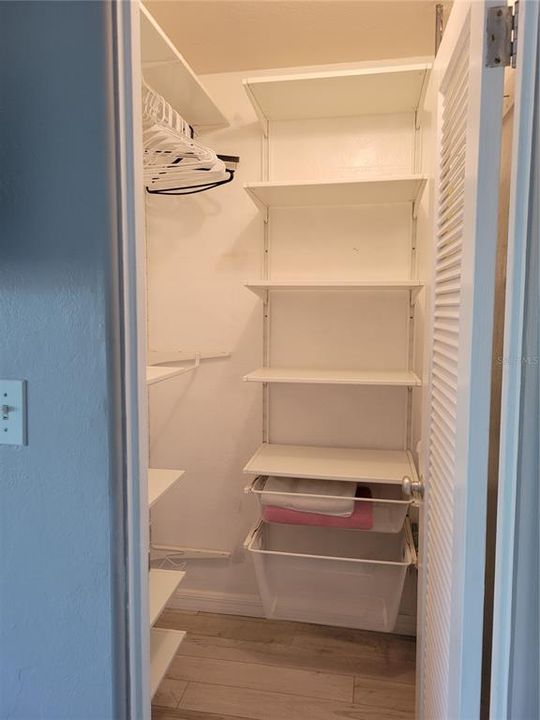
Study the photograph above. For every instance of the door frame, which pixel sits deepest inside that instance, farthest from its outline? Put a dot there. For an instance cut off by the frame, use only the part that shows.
(128, 130)
(128, 161)
(518, 238)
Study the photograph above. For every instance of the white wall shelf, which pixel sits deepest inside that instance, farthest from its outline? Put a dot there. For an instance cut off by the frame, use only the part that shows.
(156, 374)
(403, 378)
(368, 191)
(324, 463)
(260, 287)
(167, 72)
(162, 584)
(341, 93)
(163, 647)
(160, 481)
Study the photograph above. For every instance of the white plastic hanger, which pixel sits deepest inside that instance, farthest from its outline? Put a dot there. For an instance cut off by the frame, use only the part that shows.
(174, 162)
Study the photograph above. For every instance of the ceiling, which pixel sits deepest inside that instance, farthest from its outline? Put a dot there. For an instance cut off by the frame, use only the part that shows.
(228, 35)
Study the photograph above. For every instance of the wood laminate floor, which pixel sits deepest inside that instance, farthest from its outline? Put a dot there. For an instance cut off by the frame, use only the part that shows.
(240, 668)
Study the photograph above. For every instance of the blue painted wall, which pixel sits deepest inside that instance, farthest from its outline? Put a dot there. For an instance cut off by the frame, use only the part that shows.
(59, 495)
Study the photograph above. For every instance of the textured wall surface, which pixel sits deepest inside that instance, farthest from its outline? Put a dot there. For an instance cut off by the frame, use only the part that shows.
(57, 657)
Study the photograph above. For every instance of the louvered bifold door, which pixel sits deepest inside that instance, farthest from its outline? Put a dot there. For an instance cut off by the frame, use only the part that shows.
(444, 374)
(467, 102)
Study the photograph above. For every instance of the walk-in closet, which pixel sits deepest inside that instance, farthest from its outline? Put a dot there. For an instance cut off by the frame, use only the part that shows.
(269, 360)
(312, 336)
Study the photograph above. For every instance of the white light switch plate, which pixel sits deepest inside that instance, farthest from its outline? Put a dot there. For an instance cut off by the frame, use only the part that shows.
(12, 412)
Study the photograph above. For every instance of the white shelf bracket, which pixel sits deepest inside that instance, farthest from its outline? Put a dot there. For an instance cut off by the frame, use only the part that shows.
(171, 357)
(195, 365)
(413, 295)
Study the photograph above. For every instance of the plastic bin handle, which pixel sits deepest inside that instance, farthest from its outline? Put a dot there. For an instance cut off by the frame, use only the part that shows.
(253, 484)
(254, 530)
(410, 542)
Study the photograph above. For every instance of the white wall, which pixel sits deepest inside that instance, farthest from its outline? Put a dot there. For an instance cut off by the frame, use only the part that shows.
(60, 627)
(200, 251)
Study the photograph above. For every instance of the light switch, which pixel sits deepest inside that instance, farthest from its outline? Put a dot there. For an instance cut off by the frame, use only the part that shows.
(12, 412)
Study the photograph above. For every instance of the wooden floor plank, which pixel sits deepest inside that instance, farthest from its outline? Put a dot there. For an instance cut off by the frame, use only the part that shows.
(238, 668)
(258, 705)
(317, 657)
(234, 627)
(270, 678)
(383, 694)
(350, 642)
(170, 692)
(163, 713)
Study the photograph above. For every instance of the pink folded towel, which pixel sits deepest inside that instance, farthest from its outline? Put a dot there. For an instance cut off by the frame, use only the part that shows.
(361, 519)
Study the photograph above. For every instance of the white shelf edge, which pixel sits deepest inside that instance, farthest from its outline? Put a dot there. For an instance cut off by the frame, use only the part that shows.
(394, 378)
(350, 76)
(324, 463)
(378, 178)
(160, 481)
(163, 647)
(158, 373)
(261, 287)
(379, 184)
(162, 584)
(346, 72)
(204, 112)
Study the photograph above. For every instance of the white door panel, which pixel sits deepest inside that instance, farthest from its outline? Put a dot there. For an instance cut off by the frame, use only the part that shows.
(468, 99)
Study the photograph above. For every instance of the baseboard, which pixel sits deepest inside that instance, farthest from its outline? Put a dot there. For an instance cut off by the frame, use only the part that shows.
(249, 605)
(216, 602)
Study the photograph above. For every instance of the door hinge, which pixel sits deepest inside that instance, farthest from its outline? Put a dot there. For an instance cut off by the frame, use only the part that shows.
(502, 35)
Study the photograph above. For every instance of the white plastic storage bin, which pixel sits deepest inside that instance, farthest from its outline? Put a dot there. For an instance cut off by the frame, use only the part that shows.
(331, 576)
(388, 505)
